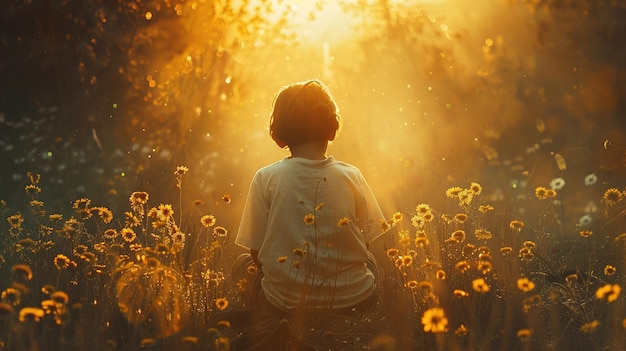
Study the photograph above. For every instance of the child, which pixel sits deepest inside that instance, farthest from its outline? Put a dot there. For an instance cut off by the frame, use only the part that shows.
(308, 218)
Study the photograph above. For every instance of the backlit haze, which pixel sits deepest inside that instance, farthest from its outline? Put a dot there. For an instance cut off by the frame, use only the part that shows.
(433, 94)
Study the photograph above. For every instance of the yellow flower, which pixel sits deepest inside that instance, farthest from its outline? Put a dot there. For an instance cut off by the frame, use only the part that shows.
(178, 236)
(475, 188)
(586, 233)
(397, 217)
(412, 284)
(609, 270)
(404, 240)
(221, 303)
(463, 266)
(392, 252)
(422, 209)
(460, 293)
(434, 320)
(82, 204)
(461, 330)
(612, 196)
(22, 271)
(483, 256)
(223, 324)
(480, 285)
(32, 190)
(407, 261)
(208, 220)
(608, 291)
(220, 232)
(541, 193)
(446, 218)
(344, 221)
(138, 198)
(56, 217)
(468, 250)
(525, 254)
(61, 261)
(460, 217)
(281, 259)
(525, 284)
(309, 219)
(590, 327)
(11, 296)
(484, 267)
(152, 213)
(421, 241)
(516, 225)
(482, 234)
(465, 197)
(128, 234)
(453, 192)
(190, 339)
(524, 334)
(428, 217)
(110, 233)
(458, 235)
(181, 170)
(418, 221)
(33, 313)
(16, 220)
(131, 220)
(104, 213)
(60, 297)
(571, 278)
(485, 208)
(165, 212)
(440, 274)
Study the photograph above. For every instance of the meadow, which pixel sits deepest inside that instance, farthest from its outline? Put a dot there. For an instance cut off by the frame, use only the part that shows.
(542, 270)
(491, 133)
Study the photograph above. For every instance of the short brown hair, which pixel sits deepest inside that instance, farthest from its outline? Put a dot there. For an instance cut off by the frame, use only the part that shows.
(304, 112)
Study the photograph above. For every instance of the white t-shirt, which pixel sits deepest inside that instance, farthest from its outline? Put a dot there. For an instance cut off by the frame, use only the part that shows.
(310, 220)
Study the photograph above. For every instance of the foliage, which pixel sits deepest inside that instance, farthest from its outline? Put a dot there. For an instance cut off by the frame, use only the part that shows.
(542, 268)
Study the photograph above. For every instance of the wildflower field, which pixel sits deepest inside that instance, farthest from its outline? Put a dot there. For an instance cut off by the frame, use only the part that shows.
(491, 133)
(541, 271)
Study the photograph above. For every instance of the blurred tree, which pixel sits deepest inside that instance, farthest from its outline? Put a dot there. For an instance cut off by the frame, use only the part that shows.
(129, 79)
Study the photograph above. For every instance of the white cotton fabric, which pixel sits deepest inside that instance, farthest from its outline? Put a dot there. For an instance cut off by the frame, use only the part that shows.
(332, 272)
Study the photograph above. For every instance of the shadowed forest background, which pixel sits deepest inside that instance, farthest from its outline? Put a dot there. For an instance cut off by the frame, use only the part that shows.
(107, 98)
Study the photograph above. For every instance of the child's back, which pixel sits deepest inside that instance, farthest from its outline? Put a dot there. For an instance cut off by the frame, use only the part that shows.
(308, 218)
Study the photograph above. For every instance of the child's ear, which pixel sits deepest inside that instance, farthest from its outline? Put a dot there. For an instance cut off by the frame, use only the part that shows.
(331, 136)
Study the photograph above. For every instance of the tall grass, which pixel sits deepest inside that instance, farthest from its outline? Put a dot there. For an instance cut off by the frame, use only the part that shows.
(540, 271)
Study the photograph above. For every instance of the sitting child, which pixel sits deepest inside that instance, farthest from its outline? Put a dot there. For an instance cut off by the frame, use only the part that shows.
(309, 218)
